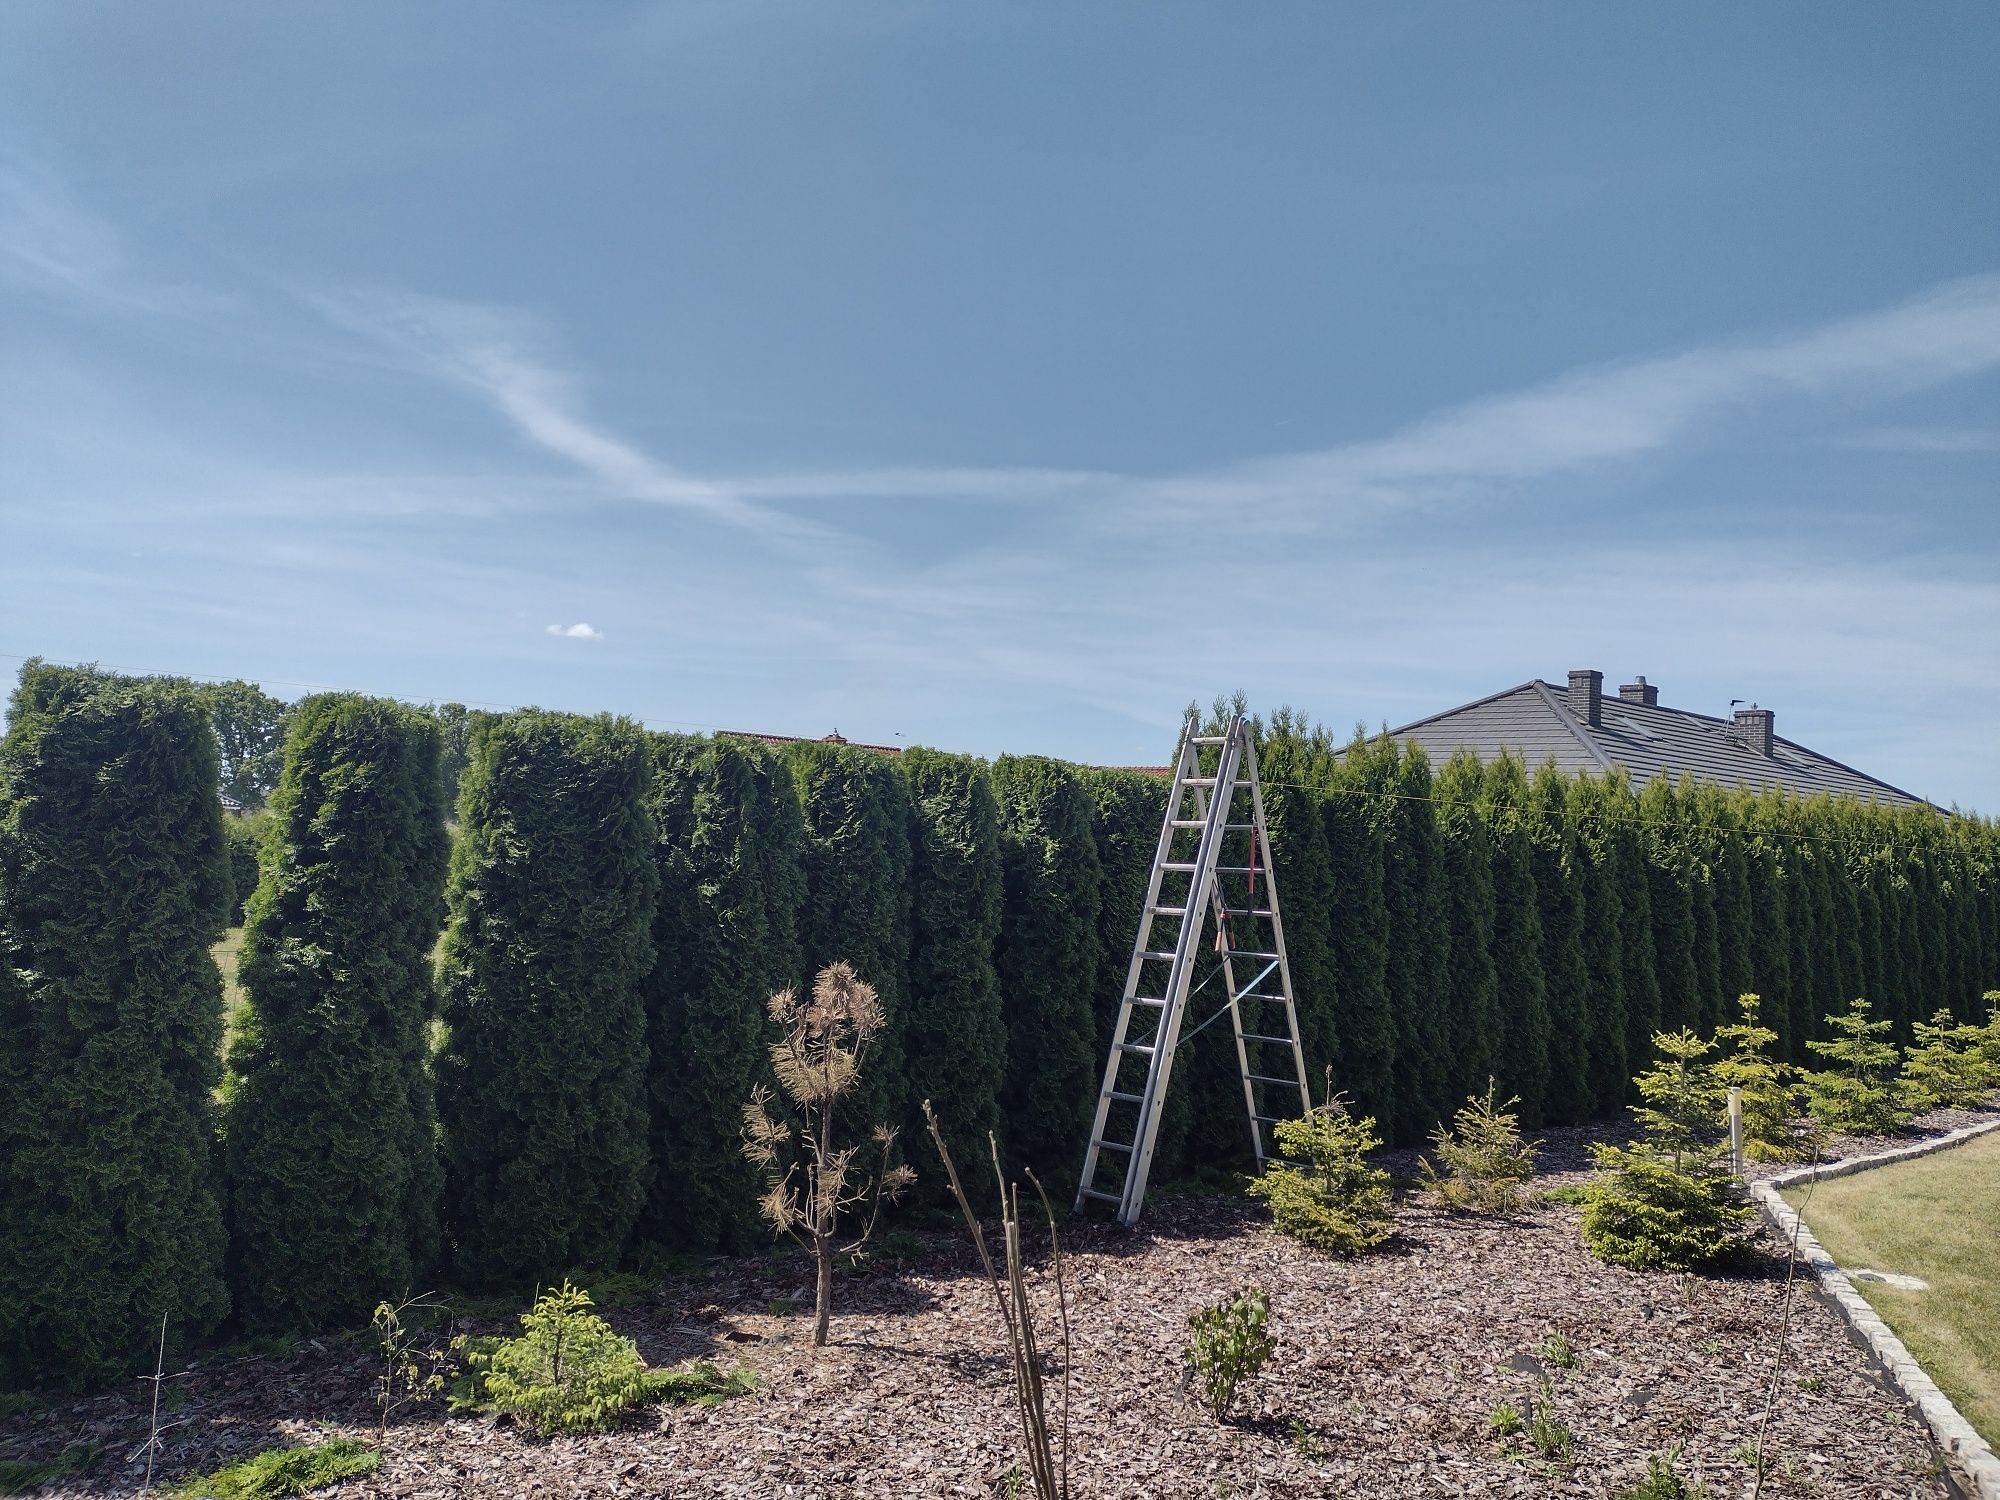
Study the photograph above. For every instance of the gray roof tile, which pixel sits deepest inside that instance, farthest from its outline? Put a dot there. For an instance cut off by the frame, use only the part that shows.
(1648, 741)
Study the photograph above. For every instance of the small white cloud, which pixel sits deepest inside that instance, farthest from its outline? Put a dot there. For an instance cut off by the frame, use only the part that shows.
(578, 632)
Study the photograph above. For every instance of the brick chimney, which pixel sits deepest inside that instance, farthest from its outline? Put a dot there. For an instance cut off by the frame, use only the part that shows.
(1585, 688)
(1640, 691)
(1753, 727)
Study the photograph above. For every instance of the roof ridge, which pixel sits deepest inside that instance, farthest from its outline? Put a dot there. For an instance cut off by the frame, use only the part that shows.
(1518, 687)
(1574, 725)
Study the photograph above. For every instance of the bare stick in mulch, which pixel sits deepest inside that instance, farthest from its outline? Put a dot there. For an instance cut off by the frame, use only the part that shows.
(1049, 1476)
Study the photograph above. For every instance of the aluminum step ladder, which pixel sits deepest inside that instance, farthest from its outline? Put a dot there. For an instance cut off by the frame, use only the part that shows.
(1229, 862)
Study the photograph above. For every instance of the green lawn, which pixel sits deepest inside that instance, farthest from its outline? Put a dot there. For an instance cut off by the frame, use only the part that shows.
(226, 954)
(1938, 1218)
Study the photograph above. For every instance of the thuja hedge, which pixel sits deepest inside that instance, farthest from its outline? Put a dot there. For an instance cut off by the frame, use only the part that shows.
(113, 886)
(541, 1077)
(331, 1164)
(621, 905)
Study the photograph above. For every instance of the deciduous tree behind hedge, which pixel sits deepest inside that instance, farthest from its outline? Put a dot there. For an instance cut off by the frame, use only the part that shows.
(955, 1035)
(113, 886)
(332, 1173)
(1047, 960)
(730, 851)
(542, 1076)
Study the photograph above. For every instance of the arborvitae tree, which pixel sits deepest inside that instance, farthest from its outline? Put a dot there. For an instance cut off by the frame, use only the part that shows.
(243, 838)
(1364, 1062)
(1415, 896)
(113, 886)
(1899, 959)
(1595, 855)
(955, 1034)
(1765, 1095)
(1517, 938)
(542, 1074)
(1125, 812)
(1770, 942)
(1698, 852)
(856, 808)
(728, 852)
(1806, 940)
(1721, 831)
(1047, 958)
(1622, 831)
(1570, 1095)
(1293, 760)
(1670, 882)
(331, 1165)
(1474, 1026)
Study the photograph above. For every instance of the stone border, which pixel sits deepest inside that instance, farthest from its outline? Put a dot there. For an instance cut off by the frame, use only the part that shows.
(1968, 1451)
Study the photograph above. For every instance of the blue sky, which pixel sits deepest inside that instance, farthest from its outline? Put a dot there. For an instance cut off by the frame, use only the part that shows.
(1002, 377)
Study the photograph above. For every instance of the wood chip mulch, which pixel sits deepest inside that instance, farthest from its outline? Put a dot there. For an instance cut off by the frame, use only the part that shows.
(1386, 1372)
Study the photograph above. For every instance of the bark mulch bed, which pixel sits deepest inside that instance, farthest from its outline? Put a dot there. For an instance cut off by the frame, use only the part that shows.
(1386, 1372)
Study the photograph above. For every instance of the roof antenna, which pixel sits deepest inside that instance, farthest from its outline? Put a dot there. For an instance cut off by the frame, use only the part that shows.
(1734, 701)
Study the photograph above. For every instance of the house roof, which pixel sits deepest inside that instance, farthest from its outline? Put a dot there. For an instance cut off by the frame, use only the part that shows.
(836, 738)
(1648, 740)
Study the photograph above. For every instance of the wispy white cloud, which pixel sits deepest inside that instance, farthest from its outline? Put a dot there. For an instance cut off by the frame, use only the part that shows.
(492, 352)
(1923, 440)
(577, 632)
(51, 242)
(1576, 423)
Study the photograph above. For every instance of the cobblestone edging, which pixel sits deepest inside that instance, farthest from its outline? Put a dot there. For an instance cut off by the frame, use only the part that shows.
(1970, 1454)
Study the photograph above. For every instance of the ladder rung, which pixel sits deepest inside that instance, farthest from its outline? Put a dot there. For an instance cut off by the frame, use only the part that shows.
(1248, 953)
(1198, 781)
(1209, 739)
(1106, 1197)
(1282, 1041)
(1272, 1119)
(1238, 911)
(1259, 995)
(1115, 1146)
(1146, 1048)
(1157, 955)
(1126, 1098)
(1227, 869)
(1153, 1000)
(1170, 911)
(1179, 867)
(1190, 822)
(1290, 1083)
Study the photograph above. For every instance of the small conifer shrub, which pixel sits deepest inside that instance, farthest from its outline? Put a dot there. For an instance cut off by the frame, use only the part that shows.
(569, 1371)
(1945, 1070)
(1228, 1344)
(1668, 1201)
(1336, 1202)
(1855, 1096)
(1485, 1160)
(1765, 1093)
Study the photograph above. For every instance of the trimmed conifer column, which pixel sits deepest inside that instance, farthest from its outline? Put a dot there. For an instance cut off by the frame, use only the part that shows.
(331, 1163)
(542, 1077)
(114, 884)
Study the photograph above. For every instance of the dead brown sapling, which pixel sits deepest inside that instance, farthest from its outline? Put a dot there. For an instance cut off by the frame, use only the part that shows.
(816, 1181)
